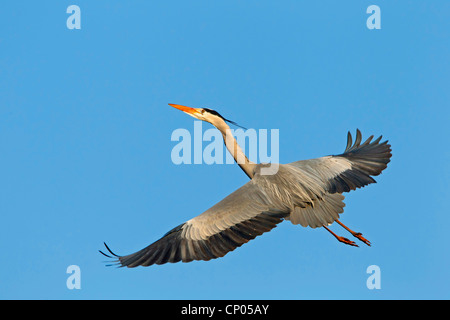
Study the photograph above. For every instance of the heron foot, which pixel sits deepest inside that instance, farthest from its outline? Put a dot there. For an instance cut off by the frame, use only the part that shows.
(359, 236)
(347, 241)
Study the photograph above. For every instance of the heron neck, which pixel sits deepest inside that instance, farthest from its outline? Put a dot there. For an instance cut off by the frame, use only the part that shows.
(235, 150)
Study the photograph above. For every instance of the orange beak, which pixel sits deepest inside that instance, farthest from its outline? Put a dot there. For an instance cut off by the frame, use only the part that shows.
(188, 110)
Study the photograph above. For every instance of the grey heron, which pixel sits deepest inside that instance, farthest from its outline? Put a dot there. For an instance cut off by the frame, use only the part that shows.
(305, 192)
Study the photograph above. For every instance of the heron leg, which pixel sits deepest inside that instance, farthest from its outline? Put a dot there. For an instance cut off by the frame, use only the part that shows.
(342, 239)
(357, 235)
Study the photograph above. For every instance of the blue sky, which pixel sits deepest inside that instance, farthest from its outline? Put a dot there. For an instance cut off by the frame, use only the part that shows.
(85, 142)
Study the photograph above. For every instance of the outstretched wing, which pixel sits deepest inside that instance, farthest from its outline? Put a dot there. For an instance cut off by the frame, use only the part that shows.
(237, 219)
(340, 173)
(352, 169)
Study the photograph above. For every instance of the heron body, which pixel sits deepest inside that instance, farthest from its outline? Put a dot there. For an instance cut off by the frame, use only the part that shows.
(306, 192)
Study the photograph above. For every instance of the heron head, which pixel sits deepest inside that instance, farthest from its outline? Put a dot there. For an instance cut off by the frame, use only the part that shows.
(204, 114)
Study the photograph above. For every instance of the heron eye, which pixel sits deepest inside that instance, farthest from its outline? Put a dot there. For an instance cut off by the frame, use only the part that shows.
(203, 111)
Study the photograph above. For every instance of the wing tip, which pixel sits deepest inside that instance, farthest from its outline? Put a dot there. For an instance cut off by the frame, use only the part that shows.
(116, 261)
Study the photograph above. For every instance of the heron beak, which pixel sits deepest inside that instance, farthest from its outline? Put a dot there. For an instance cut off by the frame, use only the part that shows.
(188, 110)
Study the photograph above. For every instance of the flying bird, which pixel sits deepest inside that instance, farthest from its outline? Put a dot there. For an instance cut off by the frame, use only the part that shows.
(305, 192)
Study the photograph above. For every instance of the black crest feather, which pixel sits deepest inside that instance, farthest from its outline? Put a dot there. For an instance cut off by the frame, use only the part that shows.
(214, 112)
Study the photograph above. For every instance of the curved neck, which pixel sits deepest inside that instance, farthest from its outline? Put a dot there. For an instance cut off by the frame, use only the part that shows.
(235, 150)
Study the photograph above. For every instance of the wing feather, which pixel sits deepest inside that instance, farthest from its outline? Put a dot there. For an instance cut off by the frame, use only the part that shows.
(352, 169)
